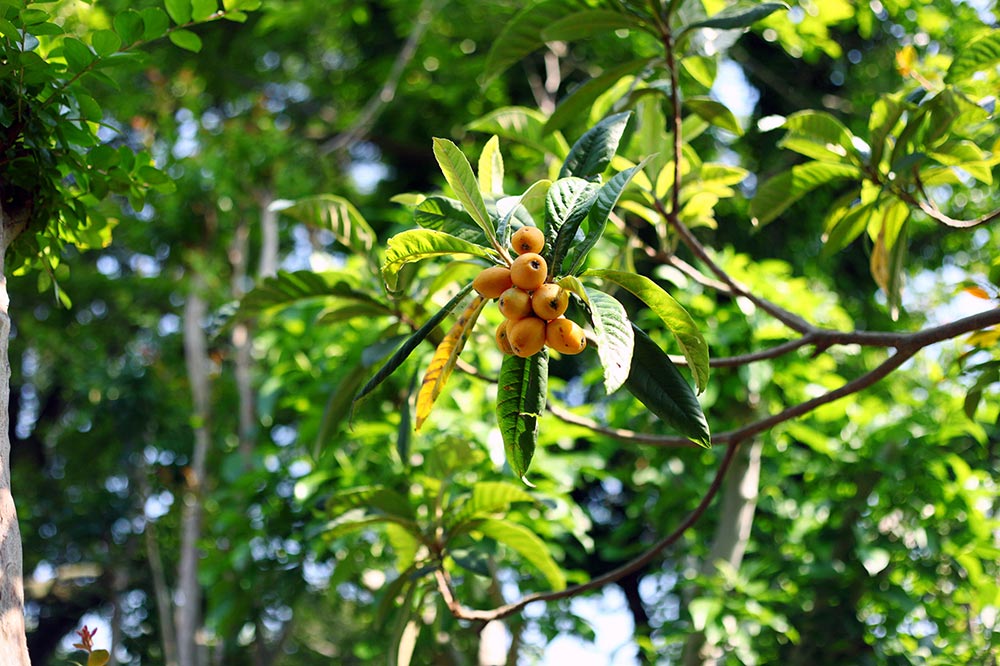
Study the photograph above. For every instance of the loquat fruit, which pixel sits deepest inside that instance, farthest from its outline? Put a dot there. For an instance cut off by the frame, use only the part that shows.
(549, 301)
(493, 281)
(529, 271)
(526, 336)
(514, 303)
(528, 239)
(565, 336)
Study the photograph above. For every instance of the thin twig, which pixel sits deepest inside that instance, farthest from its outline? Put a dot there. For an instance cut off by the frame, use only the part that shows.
(447, 590)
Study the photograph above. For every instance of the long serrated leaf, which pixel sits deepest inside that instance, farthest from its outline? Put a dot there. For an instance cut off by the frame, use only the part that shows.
(487, 498)
(418, 244)
(530, 204)
(597, 218)
(491, 168)
(659, 385)
(567, 205)
(523, 34)
(411, 343)
(780, 192)
(443, 361)
(524, 126)
(673, 315)
(329, 211)
(592, 152)
(588, 23)
(583, 97)
(286, 289)
(974, 57)
(741, 15)
(527, 545)
(714, 112)
(458, 172)
(521, 394)
(446, 214)
(613, 332)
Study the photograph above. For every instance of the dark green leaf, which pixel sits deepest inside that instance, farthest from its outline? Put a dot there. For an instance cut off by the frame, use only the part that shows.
(375, 499)
(521, 395)
(974, 57)
(613, 332)
(105, 42)
(89, 108)
(287, 289)
(411, 343)
(447, 215)
(186, 40)
(458, 172)
(673, 315)
(566, 205)
(597, 219)
(588, 23)
(128, 25)
(78, 55)
(592, 153)
(741, 15)
(580, 101)
(659, 385)
(523, 34)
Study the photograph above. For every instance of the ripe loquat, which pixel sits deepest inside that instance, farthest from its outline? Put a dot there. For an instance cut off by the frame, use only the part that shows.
(529, 271)
(528, 239)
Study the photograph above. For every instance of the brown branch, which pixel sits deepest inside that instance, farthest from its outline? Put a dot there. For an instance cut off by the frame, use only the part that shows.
(447, 590)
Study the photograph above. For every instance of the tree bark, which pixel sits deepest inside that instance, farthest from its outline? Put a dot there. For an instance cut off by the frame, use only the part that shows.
(13, 639)
(739, 503)
(187, 610)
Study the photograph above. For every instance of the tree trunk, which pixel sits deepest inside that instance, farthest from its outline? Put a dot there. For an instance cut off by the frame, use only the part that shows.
(13, 639)
(739, 502)
(188, 594)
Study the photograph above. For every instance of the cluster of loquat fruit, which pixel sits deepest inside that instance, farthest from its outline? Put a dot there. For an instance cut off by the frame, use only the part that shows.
(532, 307)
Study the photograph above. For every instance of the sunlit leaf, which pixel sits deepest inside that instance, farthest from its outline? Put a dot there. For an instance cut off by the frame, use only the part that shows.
(614, 336)
(523, 34)
(974, 57)
(673, 315)
(98, 658)
(179, 10)
(742, 14)
(487, 498)
(491, 168)
(186, 40)
(592, 152)
(522, 125)
(819, 135)
(371, 498)
(418, 244)
(777, 194)
(588, 23)
(286, 289)
(458, 172)
(521, 395)
(714, 112)
(527, 545)
(411, 343)
(337, 214)
(659, 385)
(581, 99)
(446, 214)
(443, 361)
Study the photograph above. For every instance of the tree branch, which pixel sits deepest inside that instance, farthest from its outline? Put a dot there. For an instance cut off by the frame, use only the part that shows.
(461, 612)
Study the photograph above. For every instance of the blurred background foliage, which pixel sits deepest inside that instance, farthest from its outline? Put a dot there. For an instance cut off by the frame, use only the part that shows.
(874, 539)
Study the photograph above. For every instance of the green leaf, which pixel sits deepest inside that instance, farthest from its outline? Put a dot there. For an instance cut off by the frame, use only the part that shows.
(186, 40)
(740, 15)
(105, 42)
(458, 172)
(524, 126)
(419, 244)
(287, 289)
(597, 219)
(819, 135)
(592, 153)
(967, 156)
(98, 658)
(491, 168)
(567, 203)
(673, 315)
(128, 25)
(588, 23)
(780, 192)
(847, 225)
(714, 112)
(376, 499)
(179, 10)
(886, 113)
(89, 108)
(974, 57)
(613, 332)
(328, 211)
(521, 394)
(487, 498)
(78, 55)
(447, 215)
(202, 10)
(155, 23)
(581, 99)
(528, 546)
(444, 359)
(523, 34)
(411, 343)
(659, 385)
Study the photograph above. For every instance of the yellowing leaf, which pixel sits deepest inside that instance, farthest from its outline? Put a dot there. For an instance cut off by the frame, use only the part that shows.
(906, 59)
(444, 359)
